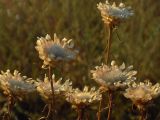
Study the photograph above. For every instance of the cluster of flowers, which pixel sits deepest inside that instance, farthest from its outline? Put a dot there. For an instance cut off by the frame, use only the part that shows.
(115, 77)
(51, 52)
(110, 77)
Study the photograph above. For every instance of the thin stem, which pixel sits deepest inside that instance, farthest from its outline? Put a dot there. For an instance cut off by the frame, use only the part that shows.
(109, 43)
(107, 54)
(99, 110)
(9, 111)
(142, 118)
(110, 104)
(49, 111)
(45, 107)
(143, 114)
(10, 105)
(87, 116)
(79, 114)
(118, 35)
(52, 88)
(48, 114)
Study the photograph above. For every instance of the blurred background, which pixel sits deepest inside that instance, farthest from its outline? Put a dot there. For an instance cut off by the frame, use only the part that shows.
(22, 21)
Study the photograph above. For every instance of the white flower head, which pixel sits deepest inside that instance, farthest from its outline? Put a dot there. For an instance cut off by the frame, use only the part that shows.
(15, 84)
(113, 14)
(143, 92)
(55, 50)
(114, 76)
(85, 97)
(44, 87)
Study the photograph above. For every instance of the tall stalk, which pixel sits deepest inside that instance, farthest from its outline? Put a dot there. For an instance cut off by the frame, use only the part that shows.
(106, 56)
(108, 42)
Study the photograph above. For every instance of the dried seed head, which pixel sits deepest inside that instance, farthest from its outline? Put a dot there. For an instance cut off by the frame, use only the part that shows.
(16, 85)
(113, 14)
(113, 77)
(143, 92)
(55, 50)
(44, 87)
(85, 97)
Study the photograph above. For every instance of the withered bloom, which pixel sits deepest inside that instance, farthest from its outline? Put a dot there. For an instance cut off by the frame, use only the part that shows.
(16, 85)
(142, 93)
(113, 14)
(114, 76)
(44, 87)
(55, 50)
(82, 98)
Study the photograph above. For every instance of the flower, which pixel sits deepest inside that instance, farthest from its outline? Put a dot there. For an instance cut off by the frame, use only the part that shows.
(54, 50)
(16, 85)
(113, 77)
(112, 14)
(143, 92)
(44, 87)
(85, 97)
